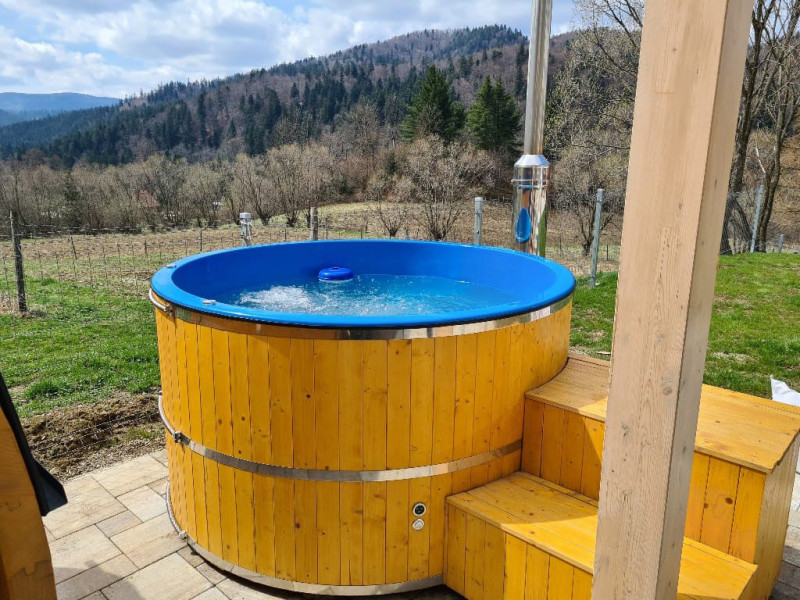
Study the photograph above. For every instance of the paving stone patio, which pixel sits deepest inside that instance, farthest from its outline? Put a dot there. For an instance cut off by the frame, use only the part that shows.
(114, 541)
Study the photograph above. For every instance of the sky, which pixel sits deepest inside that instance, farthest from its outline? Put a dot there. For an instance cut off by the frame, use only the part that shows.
(119, 47)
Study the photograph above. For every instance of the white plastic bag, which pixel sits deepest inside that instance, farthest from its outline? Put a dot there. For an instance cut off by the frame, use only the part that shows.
(783, 393)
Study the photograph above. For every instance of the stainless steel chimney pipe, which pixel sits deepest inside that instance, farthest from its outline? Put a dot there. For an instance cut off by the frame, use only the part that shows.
(532, 170)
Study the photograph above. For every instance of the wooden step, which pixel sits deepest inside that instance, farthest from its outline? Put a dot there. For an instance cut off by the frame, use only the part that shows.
(743, 471)
(522, 537)
(739, 428)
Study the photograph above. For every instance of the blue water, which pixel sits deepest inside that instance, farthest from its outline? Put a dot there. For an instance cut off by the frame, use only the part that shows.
(371, 295)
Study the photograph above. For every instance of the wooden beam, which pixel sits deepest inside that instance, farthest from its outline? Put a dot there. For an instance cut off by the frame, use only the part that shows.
(690, 76)
(26, 571)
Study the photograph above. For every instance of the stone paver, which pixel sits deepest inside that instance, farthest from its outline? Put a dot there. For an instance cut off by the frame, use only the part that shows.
(144, 502)
(118, 523)
(126, 477)
(171, 578)
(80, 551)
(160, 487)
(212, 594)
(90, 504)
(95, 578)
(236, 591)
(149, 542)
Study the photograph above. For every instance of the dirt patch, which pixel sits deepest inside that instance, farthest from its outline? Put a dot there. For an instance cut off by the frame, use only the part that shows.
(73, 440)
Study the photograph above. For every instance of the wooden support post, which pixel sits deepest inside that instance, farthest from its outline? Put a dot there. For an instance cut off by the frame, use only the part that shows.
(690, 77)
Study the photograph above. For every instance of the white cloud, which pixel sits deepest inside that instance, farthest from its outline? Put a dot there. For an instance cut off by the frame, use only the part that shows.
(83, 45)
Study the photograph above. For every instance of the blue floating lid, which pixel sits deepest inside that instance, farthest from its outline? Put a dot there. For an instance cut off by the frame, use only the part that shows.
(335, 274)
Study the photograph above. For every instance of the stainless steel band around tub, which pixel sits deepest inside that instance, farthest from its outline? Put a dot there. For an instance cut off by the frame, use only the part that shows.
(325, 333)
(330, 475)
(297, 586)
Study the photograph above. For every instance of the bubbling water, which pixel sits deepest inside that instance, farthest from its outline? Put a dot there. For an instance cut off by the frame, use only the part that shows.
(367, 295)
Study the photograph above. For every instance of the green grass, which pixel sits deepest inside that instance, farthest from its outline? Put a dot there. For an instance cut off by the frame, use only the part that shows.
(755, 323)
(89, 342)
(86, 345)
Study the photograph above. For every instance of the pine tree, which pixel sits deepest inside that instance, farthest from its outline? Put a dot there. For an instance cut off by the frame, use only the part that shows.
(433, 110)
(494, 118)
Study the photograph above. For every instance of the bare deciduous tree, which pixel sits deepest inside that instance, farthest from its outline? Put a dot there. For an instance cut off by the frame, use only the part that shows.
(441, 179)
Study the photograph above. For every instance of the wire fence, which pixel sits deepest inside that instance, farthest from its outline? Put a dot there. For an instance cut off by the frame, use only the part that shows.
(119, 263)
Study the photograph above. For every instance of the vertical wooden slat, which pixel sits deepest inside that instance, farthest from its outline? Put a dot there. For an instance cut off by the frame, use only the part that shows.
(560, 579)
(552, 443)
(494, 561)
(422, 383)
(474, 559)
(537, 570)
(697, 497)
(398, 511)
(502, 427)
(209, 438)
(515, 571)
(581, 585)
(224, 433)
(326, 392)
(592, 457)
(444, 405)
(723, 480)
(301, 357)
(280, 386)
(516, 398)
(242, 448)
(182, 424)
(484, 384)
(456, 549)
(572, 454)
(351, 420)
(261, 436)
(747, 513)
(466, 362)
(532, 437)
(375, 424)
(196, 432)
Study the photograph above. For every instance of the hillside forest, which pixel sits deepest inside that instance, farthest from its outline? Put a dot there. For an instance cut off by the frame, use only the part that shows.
(418, 124)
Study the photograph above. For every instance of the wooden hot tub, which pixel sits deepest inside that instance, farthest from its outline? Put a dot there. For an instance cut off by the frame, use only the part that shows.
(318, 458)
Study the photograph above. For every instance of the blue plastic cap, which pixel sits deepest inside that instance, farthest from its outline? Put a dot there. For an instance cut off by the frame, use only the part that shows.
(335, 274)
(523, 228)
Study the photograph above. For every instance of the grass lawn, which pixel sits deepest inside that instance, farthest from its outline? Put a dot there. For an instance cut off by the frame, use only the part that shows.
(88, 344)
(755, 324)
(92, 342)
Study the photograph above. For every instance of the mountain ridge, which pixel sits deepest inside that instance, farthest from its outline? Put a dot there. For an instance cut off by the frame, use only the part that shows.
(250, 112)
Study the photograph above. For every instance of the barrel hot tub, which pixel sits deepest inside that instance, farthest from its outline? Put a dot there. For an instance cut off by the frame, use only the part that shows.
(314, 428)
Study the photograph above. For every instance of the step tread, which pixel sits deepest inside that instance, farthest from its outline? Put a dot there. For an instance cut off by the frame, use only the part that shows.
(743, 429)
(564, 524)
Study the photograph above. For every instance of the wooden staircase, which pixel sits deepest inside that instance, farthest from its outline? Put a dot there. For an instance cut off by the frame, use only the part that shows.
(524, 537)
(531, 535)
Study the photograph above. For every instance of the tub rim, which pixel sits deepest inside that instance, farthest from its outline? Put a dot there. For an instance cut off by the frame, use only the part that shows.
(247, 327)
(169, 297)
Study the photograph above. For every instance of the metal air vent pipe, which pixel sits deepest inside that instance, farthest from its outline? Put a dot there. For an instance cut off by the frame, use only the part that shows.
(532, 170)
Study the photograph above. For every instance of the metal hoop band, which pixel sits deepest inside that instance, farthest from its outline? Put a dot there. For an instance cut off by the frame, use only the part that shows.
(343, 476)
(297, 586)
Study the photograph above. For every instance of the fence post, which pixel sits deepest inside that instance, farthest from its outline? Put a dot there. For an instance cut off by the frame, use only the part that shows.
(780, 243)
(246, 223)
(19, 271)
(478, 220)
(314, 230)
(759, 198)
(598, 213)
(200, 239)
